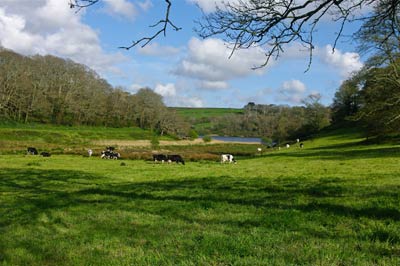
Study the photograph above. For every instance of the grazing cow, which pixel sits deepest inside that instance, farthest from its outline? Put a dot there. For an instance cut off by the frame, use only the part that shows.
(90, 152)
(45, 154)
(175, 158)
(32, 151)
(110, 155)
(227, 158)
(160, 158)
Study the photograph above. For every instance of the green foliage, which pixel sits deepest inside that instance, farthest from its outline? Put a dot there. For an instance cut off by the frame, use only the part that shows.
(206, 138)
(155, 143)
(193, 134)
(288, 207)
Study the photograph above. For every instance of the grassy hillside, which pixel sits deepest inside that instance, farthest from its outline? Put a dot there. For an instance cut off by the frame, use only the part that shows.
(334, 202)
(201, 119)
(205, 112)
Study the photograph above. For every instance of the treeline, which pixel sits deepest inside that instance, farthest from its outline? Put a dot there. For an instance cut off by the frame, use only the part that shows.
(48, 89)
(274, 122)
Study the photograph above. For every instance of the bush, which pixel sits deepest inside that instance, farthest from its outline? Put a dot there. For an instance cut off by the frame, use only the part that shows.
(193, 134)
(207, 138)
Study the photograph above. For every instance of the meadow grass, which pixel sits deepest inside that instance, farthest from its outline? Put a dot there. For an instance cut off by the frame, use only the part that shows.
(335, 202)
(189, 112)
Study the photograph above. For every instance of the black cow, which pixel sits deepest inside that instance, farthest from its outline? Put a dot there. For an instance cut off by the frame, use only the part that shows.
(160, 158)
(45, 154)
(32, 151)
(176, 158)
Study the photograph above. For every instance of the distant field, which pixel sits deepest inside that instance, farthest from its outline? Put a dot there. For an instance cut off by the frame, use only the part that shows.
(334, 202)
(205, 112)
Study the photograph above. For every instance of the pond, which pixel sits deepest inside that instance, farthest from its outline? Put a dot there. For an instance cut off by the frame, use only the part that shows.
(237, 139)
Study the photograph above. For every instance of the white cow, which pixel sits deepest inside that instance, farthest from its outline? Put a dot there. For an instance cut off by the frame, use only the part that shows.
(227, 158)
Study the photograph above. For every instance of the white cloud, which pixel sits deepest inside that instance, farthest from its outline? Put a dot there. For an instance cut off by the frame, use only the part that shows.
(12, 34)
(51, 27)
(208, 60)
(121, 7)
(219, 85)
(134, 88)
(167, 90)
(146, 5)
(292, 91)
(345, 63)
(154, 49)
(186, 101)
(293, 86)
(209, 6)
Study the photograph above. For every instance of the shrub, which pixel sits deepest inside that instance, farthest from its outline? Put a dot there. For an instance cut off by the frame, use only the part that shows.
(206, 138)
(193, 134)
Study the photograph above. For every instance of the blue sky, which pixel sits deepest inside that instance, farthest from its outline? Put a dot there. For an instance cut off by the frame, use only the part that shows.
(185, 69)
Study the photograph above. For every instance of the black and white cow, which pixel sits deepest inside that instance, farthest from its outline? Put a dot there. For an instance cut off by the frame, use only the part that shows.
(227, 158)
(160, 158)
(110, 155)
(175, 158)
(32, 151)
(45, 154)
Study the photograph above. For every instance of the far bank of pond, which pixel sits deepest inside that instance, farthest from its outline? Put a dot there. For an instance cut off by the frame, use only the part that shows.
(237, 139)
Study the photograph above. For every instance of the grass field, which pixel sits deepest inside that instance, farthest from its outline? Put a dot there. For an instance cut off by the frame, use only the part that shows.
(205, 112)
(335, 202)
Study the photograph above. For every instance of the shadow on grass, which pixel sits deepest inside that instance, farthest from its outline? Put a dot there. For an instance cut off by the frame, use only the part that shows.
(28, 193)
(345, 153)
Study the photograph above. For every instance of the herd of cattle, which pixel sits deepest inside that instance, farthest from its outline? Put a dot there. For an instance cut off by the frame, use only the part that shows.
(110, 153)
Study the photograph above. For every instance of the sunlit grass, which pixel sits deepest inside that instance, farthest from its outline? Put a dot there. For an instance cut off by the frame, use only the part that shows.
(322, 205)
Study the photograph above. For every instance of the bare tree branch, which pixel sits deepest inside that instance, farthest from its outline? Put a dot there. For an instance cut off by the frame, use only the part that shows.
(273, 24)
(79, 4)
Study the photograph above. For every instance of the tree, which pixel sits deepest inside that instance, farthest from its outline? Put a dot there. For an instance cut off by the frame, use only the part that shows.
(318, 116)
(380, 111)
(346, 101)
(149, 107)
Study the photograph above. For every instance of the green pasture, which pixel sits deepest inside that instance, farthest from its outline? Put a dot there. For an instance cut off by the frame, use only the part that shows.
(334, 202)
(48, 133)
(198, 113)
